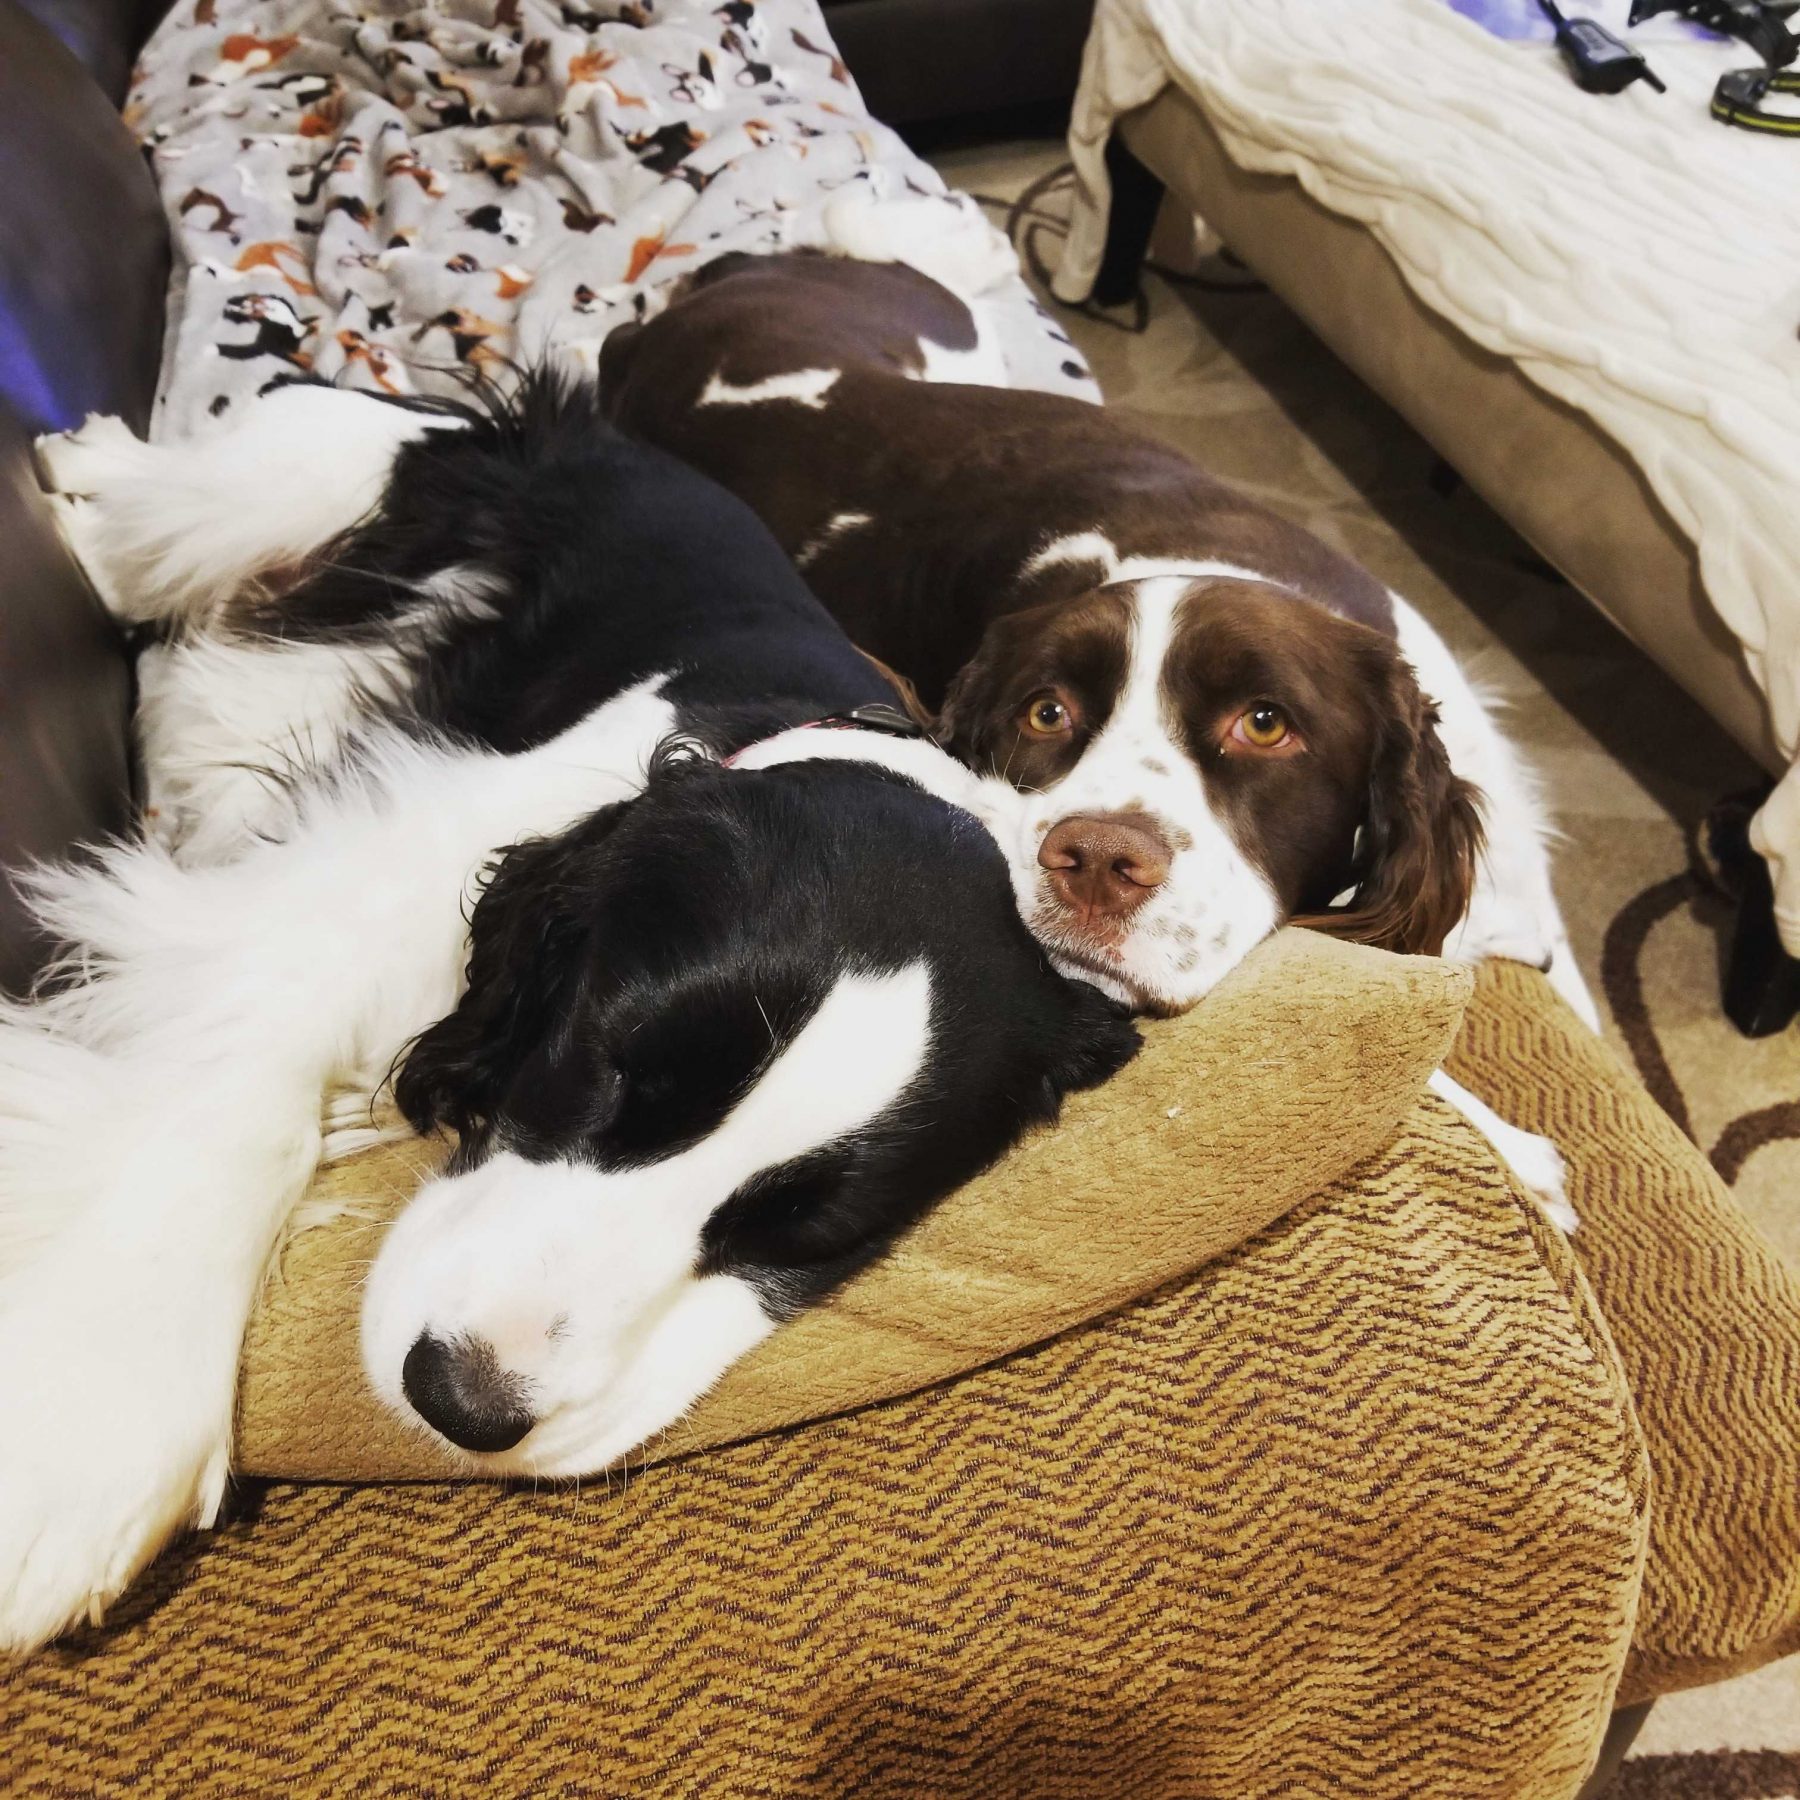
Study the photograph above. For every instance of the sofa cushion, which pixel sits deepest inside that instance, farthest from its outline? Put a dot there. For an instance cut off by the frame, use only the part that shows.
(1300, 1065)
(84, 258)
(102, 35)
(1706, 1316)
(65, 695)
(1358, 1511)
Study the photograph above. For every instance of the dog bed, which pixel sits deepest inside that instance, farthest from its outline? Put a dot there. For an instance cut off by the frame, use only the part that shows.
(1305, 1060)
(1633, 260)
(394, 196)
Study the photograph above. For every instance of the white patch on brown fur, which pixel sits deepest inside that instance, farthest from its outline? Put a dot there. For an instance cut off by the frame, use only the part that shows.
(829, 533)
(801, 387)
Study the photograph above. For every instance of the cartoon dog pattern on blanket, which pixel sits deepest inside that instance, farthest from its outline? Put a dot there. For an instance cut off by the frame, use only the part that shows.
(386, 195)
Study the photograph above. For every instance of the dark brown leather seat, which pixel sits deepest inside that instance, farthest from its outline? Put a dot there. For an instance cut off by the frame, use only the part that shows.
(920, 61)
(83, 269)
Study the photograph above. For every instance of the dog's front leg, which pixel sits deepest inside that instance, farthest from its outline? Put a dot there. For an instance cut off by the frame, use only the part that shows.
(1536, 1161)
(119, 1340)
(159, 1118)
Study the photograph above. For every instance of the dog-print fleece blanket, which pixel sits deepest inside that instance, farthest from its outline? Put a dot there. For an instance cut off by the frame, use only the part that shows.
(391, 196)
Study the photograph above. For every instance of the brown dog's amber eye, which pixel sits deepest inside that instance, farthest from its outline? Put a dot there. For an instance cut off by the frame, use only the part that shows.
(1048, 716)
(1263, 726)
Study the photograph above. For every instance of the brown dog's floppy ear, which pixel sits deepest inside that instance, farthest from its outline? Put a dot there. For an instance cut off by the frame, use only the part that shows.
(910, 703)
(972, 711)
(1415, 866)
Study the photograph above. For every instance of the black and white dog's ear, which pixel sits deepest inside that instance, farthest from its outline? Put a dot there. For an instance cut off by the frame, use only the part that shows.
(1098, 1040)
(526, 938)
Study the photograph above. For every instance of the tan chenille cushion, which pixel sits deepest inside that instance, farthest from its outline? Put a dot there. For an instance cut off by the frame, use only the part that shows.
(1293, 1071)
(1706, 1317)
(1357, 1513)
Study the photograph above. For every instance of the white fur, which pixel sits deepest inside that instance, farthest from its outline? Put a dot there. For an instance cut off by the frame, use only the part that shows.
(995, 804)
(799, 387)
(1079, 547)
(982, 366)
(159, 1119)
(227, 725)
(944, 237)
(173, 531)
(1513, 911)
(583, 1281)
(828, 534)
(1534, 1160)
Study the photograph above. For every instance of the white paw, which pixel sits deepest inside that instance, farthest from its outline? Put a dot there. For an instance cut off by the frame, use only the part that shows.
(1540, 1167)
(79, 524)
(973, 254)
(85, 460)
(106, 1457)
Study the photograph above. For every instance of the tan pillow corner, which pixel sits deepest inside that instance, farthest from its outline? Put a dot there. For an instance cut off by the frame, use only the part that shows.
(1303, 1062)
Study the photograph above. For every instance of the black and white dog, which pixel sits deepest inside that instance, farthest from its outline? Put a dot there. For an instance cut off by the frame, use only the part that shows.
(741, 1001)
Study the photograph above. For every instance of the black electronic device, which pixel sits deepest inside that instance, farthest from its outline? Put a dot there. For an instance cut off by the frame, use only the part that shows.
(1600, 62)
(1762, 24)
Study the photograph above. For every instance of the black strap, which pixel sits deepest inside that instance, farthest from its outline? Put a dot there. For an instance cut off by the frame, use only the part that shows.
(889, 720)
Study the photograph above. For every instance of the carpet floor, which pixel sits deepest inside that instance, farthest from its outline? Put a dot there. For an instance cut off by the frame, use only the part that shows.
(1218, 366)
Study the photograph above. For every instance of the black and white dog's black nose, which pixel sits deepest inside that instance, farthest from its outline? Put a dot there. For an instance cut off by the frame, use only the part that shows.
(459, 1389)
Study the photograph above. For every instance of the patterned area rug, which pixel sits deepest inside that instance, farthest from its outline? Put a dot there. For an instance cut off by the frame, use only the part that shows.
(1218, 366)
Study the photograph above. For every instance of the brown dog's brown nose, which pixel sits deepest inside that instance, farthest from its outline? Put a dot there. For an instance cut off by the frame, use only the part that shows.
(1105, 865)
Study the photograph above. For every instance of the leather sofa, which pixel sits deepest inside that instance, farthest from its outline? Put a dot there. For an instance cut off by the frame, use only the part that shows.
(922, 62)
(82, 276)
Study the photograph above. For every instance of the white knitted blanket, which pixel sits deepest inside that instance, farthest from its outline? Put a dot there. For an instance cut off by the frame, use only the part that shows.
(1633, 257)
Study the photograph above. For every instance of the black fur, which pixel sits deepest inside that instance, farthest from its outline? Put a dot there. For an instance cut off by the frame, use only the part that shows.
(631, 978)
(616, 562)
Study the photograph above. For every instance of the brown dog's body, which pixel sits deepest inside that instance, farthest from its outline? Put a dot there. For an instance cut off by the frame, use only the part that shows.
(1223, 724)
(962, 485)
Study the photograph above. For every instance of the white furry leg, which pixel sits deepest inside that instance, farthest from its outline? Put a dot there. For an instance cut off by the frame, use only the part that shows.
(1535, 1160)
(225, 724)
(120, 1340)
(1513, 912)
(173, 531)
(227, 728)
(160, 1117)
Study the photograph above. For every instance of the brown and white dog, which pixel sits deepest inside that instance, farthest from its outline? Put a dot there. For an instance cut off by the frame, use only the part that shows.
(1224, 724)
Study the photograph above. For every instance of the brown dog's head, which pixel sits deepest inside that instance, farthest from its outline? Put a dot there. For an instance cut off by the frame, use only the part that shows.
(1208, 757)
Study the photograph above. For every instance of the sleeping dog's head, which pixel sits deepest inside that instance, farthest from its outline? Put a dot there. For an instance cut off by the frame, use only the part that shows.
(1205, 757)
(720, 1044)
